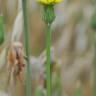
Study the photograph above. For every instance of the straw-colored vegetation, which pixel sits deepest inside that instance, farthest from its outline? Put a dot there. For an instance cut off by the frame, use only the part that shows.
(72, 48)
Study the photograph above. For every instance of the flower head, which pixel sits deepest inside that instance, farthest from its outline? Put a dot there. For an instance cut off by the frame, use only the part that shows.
(48, 2)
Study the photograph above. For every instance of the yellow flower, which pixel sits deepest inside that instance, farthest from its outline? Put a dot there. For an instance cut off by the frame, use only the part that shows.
(47, 2)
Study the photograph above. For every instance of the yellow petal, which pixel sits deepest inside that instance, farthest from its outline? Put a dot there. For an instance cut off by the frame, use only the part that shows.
(57, 1)
(49, 1)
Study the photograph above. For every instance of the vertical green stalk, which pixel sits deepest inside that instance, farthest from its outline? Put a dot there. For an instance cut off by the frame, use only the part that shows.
(48, 62)
(1, 30)
(48, 18)
(26, 43)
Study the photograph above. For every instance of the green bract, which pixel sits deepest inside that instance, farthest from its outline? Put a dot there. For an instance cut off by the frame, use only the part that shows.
(48, 14)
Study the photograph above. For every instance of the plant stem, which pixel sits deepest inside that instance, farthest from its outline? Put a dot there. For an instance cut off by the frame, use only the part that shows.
(2, 37)
(48, 71)
(26, 43)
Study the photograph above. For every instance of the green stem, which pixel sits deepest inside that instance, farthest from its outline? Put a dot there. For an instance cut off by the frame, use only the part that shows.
(2, 37)
(26, 43)
(48, 71)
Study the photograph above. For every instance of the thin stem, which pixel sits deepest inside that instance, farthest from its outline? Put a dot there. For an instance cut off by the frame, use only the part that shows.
(2, 37)
(48, 71)
(26, 43)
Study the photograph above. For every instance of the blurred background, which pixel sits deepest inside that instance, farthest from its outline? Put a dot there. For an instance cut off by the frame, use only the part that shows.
(73, 40)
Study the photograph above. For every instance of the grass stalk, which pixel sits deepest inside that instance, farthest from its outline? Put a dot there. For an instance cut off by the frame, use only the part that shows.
(26, 43)
(2, 35)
